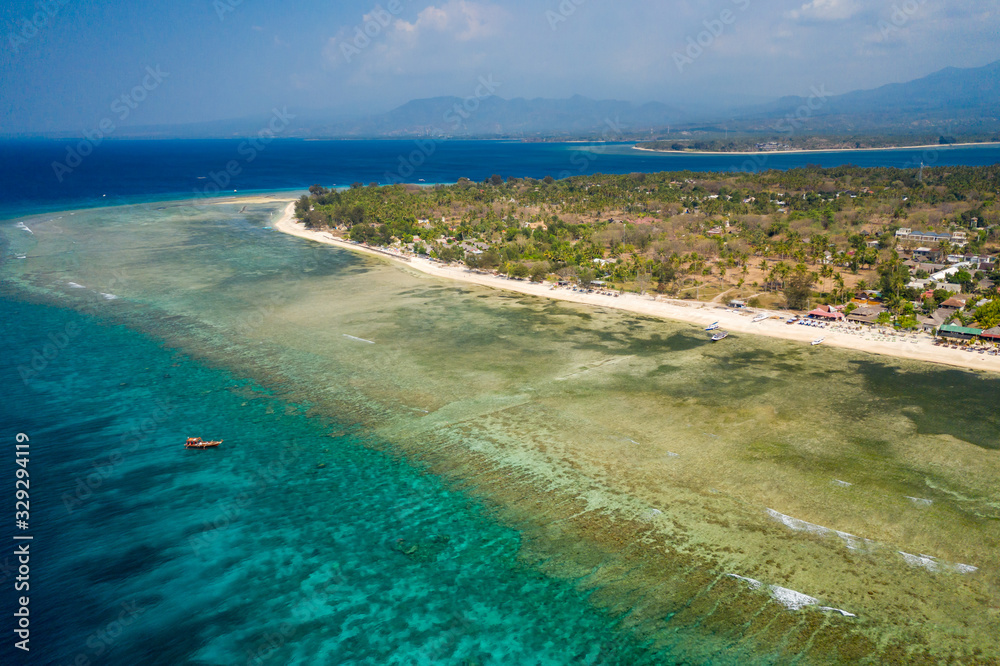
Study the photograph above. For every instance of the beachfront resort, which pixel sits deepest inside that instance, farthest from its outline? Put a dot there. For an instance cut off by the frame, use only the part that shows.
(879, 254)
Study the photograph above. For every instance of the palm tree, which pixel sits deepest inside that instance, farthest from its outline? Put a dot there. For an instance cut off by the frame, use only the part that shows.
(839, 279)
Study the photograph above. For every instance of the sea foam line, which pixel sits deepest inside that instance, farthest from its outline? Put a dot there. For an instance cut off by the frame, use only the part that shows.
(935, 565)
(790, 599)
(358, 339)
(851, 541)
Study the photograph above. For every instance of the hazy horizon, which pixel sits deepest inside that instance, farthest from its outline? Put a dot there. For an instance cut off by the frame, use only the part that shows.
(70, 64)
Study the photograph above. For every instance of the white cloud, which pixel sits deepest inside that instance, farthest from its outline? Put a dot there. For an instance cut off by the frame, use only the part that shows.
(826, 10)
(460, 19)
(387, 41)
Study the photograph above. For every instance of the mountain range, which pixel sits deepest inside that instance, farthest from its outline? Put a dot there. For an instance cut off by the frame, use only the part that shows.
(952, 100)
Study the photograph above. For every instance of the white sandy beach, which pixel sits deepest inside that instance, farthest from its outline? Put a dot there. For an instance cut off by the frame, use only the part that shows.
(915, 346)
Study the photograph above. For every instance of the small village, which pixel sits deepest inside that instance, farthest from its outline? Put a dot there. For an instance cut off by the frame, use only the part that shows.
(884, 252)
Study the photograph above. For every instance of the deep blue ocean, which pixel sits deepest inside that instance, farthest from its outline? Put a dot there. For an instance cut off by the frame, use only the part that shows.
(118, 172)
(144, 553)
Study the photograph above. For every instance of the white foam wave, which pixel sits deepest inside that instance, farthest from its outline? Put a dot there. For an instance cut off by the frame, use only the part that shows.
(109, 297)
(837, 610)
(358, 339)
(75, 285)
(851, 541)
(21, 225)
(919, 501)
(935, 565)
(791, 599)
(754, 584)
(842, 484)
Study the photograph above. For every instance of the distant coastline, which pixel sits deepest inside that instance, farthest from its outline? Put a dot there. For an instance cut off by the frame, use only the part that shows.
(935, 146)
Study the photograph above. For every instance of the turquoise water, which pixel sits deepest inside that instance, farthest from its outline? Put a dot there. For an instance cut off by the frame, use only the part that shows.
(293, 543)
(310, 538)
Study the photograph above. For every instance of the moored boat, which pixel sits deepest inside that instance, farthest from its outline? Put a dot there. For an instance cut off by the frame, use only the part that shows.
(721, 335)
(712, 327)
(199, 443)
(818, 342)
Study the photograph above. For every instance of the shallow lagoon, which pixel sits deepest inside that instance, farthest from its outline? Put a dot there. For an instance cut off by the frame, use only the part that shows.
(639, 463)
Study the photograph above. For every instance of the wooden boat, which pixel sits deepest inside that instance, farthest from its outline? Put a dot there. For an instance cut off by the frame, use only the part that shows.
(721, 335)
(199, 443)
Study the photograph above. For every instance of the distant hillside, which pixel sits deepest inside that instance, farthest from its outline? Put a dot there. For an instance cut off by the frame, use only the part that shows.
(952, 100)
(497, 117)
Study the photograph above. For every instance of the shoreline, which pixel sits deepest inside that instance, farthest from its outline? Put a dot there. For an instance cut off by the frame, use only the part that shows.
(916, 347)
(811, 150)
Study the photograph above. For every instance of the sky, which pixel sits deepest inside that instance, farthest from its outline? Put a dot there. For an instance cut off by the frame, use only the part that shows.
(66, 65)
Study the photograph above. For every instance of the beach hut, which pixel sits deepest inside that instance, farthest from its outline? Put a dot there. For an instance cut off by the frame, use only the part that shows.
(827, 313)
(991, 334)
(867, 314)
(959, 332)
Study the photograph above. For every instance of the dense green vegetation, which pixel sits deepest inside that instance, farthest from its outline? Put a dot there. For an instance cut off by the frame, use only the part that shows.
(808, 234)
(718, 140)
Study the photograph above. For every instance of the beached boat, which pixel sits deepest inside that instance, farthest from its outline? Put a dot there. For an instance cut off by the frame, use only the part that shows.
(713, 327)
(721, 335)
(199, 443)
(818, 342)
(760, 317)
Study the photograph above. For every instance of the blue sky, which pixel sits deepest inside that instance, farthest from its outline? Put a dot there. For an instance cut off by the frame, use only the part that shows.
(63, 63)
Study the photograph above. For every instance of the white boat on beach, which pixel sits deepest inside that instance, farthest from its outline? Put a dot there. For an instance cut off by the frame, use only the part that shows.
(721, 335)
(818, 342)
(760, 317)
(712, 327)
